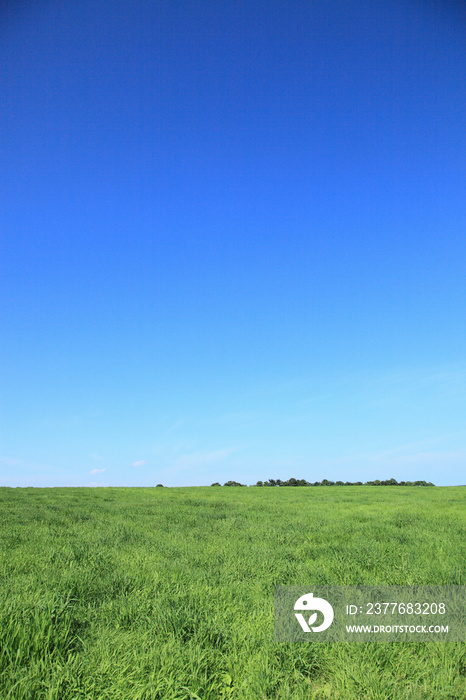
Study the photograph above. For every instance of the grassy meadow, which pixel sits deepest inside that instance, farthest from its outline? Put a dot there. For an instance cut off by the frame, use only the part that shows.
(158, 593)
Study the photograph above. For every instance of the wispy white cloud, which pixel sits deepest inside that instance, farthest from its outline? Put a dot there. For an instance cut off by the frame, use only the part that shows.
(26, 466)
(439, 460)
(11, 462)
(200, 459)
(405, 462)
(97, 471)
(445, 381)
(175, 426)
(409, 448)
(139, 463)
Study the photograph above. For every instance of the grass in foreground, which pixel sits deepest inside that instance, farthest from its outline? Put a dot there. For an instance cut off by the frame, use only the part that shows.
(145, 594)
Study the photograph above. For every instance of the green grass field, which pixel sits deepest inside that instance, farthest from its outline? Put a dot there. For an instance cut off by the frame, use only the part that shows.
(168, 593)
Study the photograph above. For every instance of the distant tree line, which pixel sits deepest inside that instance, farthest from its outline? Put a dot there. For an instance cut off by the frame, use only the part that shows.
(326, 482)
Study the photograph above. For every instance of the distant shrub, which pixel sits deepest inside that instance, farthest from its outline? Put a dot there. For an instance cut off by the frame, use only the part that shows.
(159, 485)
(326, 482)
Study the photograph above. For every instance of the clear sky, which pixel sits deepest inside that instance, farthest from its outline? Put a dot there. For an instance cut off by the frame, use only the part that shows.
(233, 241)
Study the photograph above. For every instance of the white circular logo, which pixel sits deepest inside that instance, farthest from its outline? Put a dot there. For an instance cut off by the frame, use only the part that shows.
(308, 602)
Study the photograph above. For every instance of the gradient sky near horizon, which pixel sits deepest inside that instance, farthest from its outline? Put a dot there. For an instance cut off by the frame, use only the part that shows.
(233, 241)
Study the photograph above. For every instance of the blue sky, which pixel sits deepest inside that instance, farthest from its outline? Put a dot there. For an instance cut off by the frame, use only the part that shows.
(233, 241)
